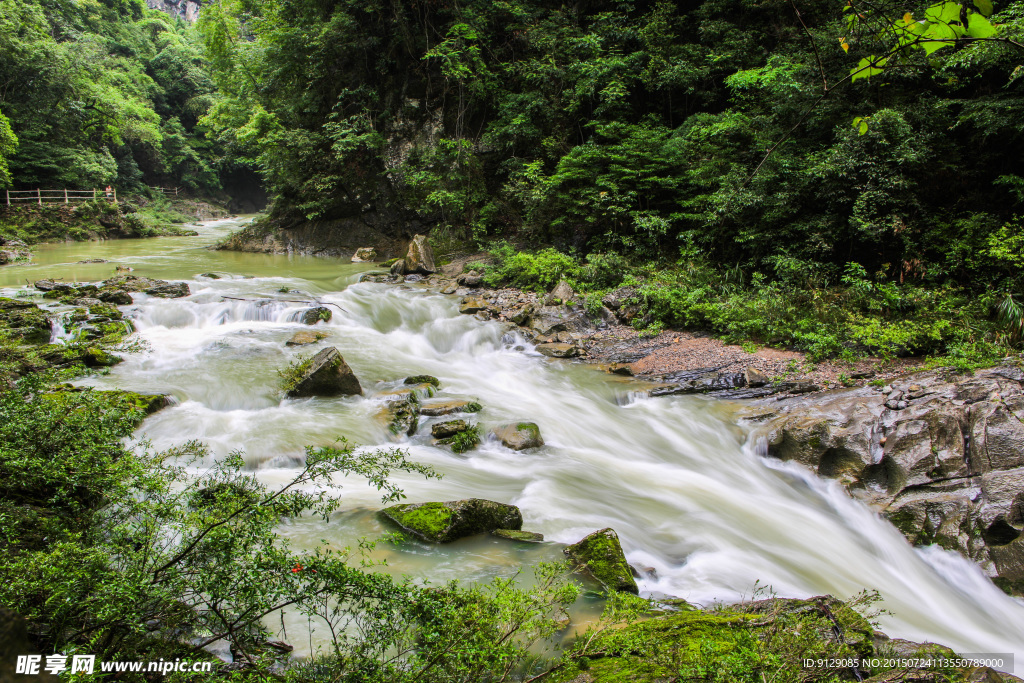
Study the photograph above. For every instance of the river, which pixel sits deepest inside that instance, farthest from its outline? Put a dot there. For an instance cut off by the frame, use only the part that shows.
(675, 477)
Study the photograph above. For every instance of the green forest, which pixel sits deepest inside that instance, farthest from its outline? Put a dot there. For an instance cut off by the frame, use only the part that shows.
(841, 179)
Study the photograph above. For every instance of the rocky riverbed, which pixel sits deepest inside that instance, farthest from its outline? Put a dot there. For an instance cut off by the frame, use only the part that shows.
(939, 454)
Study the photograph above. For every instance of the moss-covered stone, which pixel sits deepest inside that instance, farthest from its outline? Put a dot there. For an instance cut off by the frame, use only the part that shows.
(519, 436)
(439, 407)
(521, 536)
(400, 416)
(24, 320)
(452, 520)
(105, 311)
(600, 554)
(443, 430)
(95, 357)
(423, 379)
(325, 374)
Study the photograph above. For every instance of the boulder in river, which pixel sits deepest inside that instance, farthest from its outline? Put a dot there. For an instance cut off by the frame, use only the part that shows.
(398, 267)
(442, 430)
(423, 379)
(450, 521)
(522, 536)
(311, 316)
(98, 358)
(400, 415)
(439, 407)
(303, 337)
(132, 283)
(420, 257)
(519, 435)
(472, 304)
(325, 374)
(113, 295)
(364, 254)
(600, 554)
(169, 290)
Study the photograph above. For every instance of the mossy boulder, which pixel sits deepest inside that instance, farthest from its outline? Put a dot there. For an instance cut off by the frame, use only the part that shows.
(129, 283)
(98, 358)
(114, 295)
(311, 316)
(439, 407)
(103, 310)
(304, 337)
(325, 374)
(452, 520)
(169, 290)
(443, 430)
(519, 435)
(24, 320)
(521, 536)
(600, 555)
(423, 379)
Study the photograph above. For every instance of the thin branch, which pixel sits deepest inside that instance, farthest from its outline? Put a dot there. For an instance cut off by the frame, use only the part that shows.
(814, 45)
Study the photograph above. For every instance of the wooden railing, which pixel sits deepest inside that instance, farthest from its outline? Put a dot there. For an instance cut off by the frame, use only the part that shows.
(20, 197)
(166, 191)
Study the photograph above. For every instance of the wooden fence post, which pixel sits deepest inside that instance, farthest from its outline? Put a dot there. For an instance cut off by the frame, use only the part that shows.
(39, 193)
(65, 195)
(115, 195)
(8, 197)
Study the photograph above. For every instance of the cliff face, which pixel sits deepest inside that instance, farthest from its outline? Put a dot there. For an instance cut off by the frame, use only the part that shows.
(186, 9)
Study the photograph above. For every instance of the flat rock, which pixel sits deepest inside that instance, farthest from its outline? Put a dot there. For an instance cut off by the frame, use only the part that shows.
(522, 536)
(558, 350)
(519, 435)
(600, 554)
(326, 374)
(452, 520)
(364, 254)
(169, 290)
(132, 283)
(472, 304)
(303, 337)
(439, 407)
(443, 430)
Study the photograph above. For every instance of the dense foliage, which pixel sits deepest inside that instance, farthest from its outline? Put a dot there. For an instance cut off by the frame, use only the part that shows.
(101, 92)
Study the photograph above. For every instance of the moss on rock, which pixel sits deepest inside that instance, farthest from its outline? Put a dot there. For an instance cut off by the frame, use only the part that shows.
(449, 521)
(600, 554)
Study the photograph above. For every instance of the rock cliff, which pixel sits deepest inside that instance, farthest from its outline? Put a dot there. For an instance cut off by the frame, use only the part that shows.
(186, 9)
(939, 454)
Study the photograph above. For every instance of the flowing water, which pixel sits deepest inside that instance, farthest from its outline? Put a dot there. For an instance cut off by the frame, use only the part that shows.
(675, 477)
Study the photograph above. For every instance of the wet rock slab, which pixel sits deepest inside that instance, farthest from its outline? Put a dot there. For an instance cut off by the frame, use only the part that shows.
(452, 520)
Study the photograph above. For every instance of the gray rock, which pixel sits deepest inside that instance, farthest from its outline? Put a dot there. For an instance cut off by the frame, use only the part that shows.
(561, 294)
(755, 378)
(558, 350)
(443, 430)
(115, 296)
(398, 267)
(470, 280)
(446, 407)
(521, 536)
(304, 337)
(169, 290)
(326, 374)
(420, 256)
(472, 304)
(364, 254)
(400, 415)
(519, 435)
(450, 521)
(311, 316)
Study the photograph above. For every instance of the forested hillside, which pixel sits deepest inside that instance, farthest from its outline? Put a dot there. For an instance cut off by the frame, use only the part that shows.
(633, 129)
(101, 92)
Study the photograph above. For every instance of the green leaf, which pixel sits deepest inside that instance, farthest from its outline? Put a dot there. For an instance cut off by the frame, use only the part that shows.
(944, 13)
(984, 6)
(867, 67)
(979, 27)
